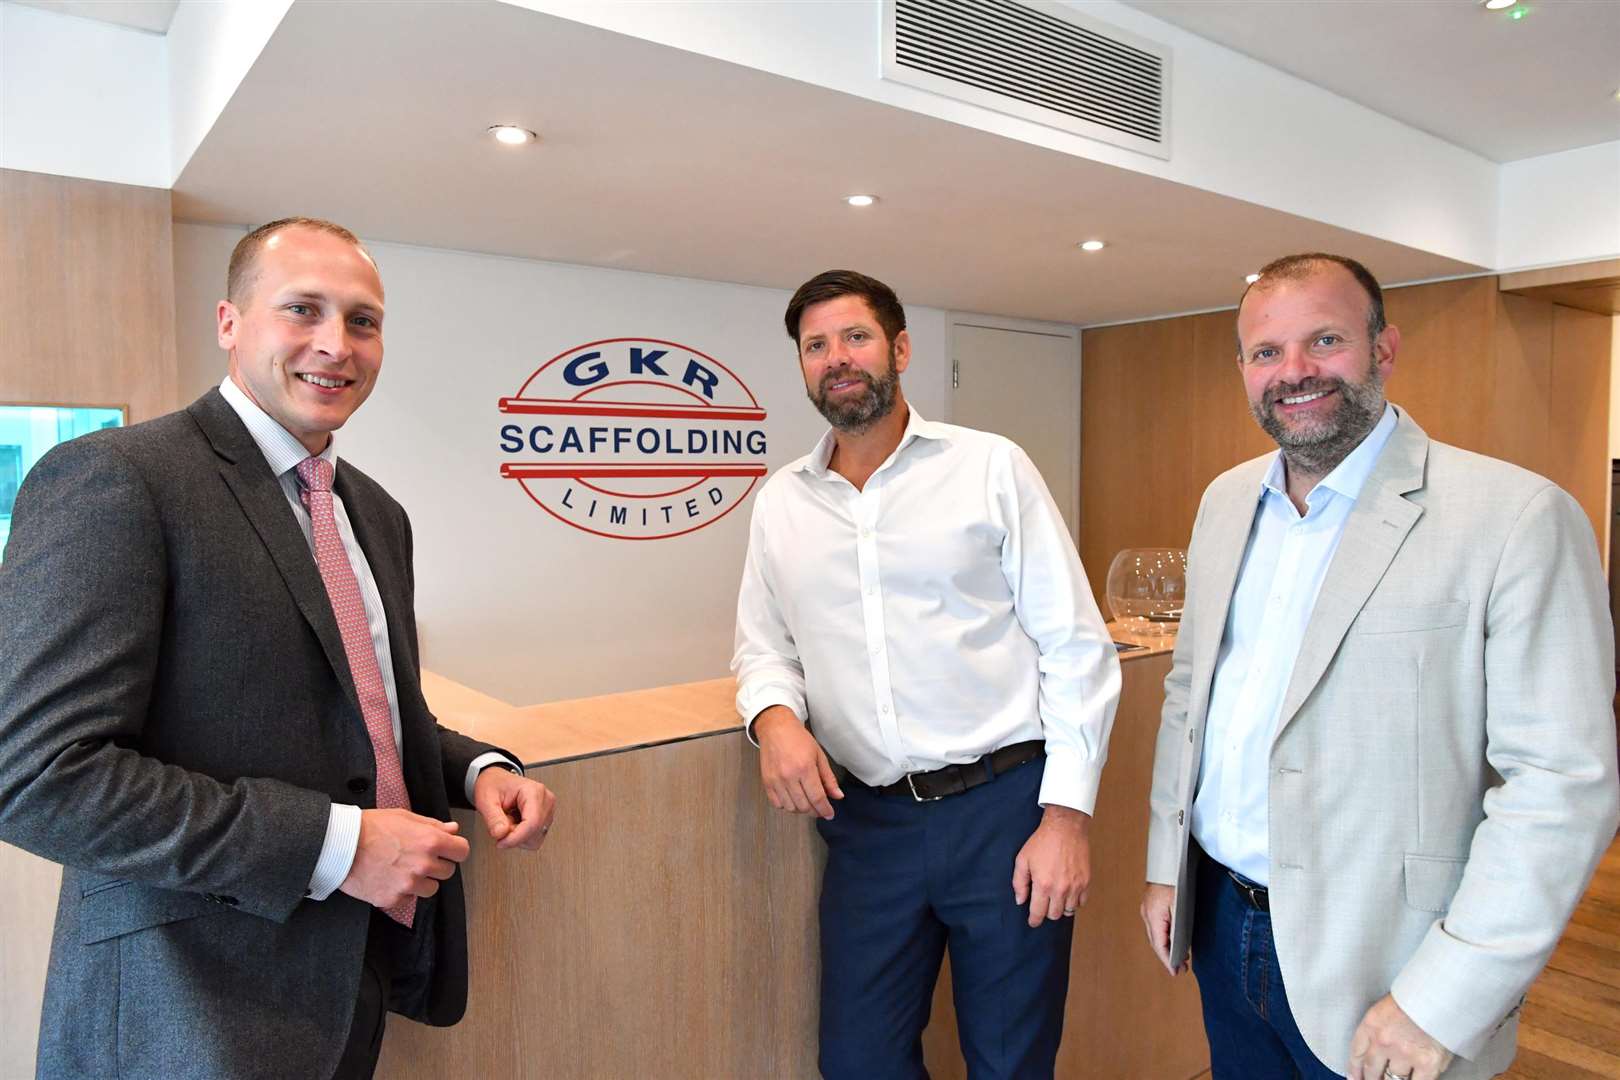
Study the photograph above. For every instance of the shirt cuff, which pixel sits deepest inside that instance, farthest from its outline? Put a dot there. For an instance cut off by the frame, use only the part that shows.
(763, 698)
(482, 762)
(337, 853)
(1070, 780)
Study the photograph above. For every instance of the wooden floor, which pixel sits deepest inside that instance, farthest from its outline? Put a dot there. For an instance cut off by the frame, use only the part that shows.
(1570, 1029)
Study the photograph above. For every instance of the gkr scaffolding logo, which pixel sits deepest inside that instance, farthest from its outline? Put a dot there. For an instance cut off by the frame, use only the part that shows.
(634, 438)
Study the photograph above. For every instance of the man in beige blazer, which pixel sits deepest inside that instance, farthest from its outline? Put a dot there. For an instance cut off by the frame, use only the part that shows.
(1386, 767)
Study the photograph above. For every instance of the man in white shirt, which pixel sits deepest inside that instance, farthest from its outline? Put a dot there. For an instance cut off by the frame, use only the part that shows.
(913, 610)
(1386, 763)
(211, 713)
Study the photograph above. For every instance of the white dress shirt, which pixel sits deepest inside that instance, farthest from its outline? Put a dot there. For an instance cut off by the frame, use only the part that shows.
(283, 452)
(1282, 571)
(930, 618)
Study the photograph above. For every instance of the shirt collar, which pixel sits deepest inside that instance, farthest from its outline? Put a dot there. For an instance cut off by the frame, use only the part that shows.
(281, 451)
(916, 428)
(1350, 475)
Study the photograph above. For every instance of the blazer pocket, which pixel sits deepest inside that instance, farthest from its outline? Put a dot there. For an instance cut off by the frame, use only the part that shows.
(1431, 881)
(116, 908)
(1407, 618)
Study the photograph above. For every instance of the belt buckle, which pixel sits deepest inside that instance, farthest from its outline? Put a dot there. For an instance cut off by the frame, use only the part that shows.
(912, 784)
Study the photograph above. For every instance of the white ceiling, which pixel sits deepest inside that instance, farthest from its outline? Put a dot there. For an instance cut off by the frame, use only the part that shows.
(660, 160)
(150, 15)
(1503, 88)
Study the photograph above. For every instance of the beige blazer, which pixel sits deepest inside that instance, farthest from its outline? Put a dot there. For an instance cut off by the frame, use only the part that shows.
(1443, 769)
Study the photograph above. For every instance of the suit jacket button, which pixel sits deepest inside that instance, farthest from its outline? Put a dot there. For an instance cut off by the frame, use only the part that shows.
(230, 901)
(358, 784)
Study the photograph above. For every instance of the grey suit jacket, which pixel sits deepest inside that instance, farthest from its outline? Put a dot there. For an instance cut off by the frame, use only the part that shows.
(1443, 779)
(176, 718)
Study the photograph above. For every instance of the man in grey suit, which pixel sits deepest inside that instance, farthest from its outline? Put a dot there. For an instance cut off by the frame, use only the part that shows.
(1386, 764)
(211, 714)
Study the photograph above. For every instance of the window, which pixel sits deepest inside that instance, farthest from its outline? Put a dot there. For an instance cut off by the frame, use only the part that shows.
(26, 432)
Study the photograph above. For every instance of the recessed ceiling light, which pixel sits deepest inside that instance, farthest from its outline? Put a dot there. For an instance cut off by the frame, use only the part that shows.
(1093, 245)
(1251, 278)
(860, 200)
(512, 136)
(1498, 5)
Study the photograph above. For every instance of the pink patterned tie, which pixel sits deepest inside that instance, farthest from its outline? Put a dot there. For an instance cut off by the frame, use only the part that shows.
(344, 592)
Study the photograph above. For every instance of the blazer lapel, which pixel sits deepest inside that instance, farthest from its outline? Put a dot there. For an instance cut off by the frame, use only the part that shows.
(263, 503)
(1222, 541)
(1373, 534)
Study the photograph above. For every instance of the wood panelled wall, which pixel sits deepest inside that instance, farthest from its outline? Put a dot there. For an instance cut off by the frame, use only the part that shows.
(86, 318)
(86, 294)
(1163, 410)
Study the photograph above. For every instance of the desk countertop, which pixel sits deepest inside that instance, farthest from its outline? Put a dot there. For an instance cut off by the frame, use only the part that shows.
(610, 723)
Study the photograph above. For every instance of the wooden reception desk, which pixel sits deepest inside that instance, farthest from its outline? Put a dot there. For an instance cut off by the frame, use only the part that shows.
(668, 927)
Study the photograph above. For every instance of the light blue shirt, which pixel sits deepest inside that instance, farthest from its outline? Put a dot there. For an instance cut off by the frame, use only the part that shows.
(283, 452)
(1282, 572)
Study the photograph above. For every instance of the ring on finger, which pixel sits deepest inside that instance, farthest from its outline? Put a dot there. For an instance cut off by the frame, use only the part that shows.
(1388, 1075)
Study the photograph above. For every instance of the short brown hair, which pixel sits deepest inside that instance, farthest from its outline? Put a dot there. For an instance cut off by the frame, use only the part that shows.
(244, 258)
(1300, 267)
(831, 284)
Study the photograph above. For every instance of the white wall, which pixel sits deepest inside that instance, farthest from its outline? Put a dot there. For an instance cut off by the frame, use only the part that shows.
(82, 98)
(1561, 208)
(510, 600)
(211, 47)
(1239, 127)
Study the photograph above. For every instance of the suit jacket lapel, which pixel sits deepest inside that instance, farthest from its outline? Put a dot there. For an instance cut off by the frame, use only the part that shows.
(260, 496)
(372, 532)
(1373, 534)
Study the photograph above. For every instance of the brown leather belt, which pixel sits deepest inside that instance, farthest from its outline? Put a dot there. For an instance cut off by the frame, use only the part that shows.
(955, 779)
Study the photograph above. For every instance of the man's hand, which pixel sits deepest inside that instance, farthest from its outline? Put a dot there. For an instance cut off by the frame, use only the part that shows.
(401, 854)
(796, 773)
(1388, 1042)
(1053, 869)
(517, 811)
(1158, 906)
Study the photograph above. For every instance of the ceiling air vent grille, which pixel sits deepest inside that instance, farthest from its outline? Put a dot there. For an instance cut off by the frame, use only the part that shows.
(1040, 61)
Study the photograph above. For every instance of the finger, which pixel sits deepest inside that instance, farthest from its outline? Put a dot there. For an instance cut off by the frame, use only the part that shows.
(1039, 904)
(773, 798)
(829, 779)
(817, 796)
(454, 848)
(525, 816)
(543, 820)
(1021, 879)
(425, 887)
(441, 869)
(801, 801)
(1057, 907)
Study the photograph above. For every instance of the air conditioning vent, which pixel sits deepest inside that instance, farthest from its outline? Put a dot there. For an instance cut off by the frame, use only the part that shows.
(1036, 60)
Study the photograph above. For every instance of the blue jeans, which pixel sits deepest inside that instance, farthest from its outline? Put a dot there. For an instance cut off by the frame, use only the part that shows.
(904, 881)
(1252, 1035)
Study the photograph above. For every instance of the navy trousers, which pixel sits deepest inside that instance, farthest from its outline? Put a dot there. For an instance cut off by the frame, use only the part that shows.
(907, 880)
(1251, 1029)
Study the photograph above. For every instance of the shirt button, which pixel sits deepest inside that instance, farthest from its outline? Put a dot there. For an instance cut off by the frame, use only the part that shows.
(877, 650)
(865, 533)
(884, 709)
(871, 590)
